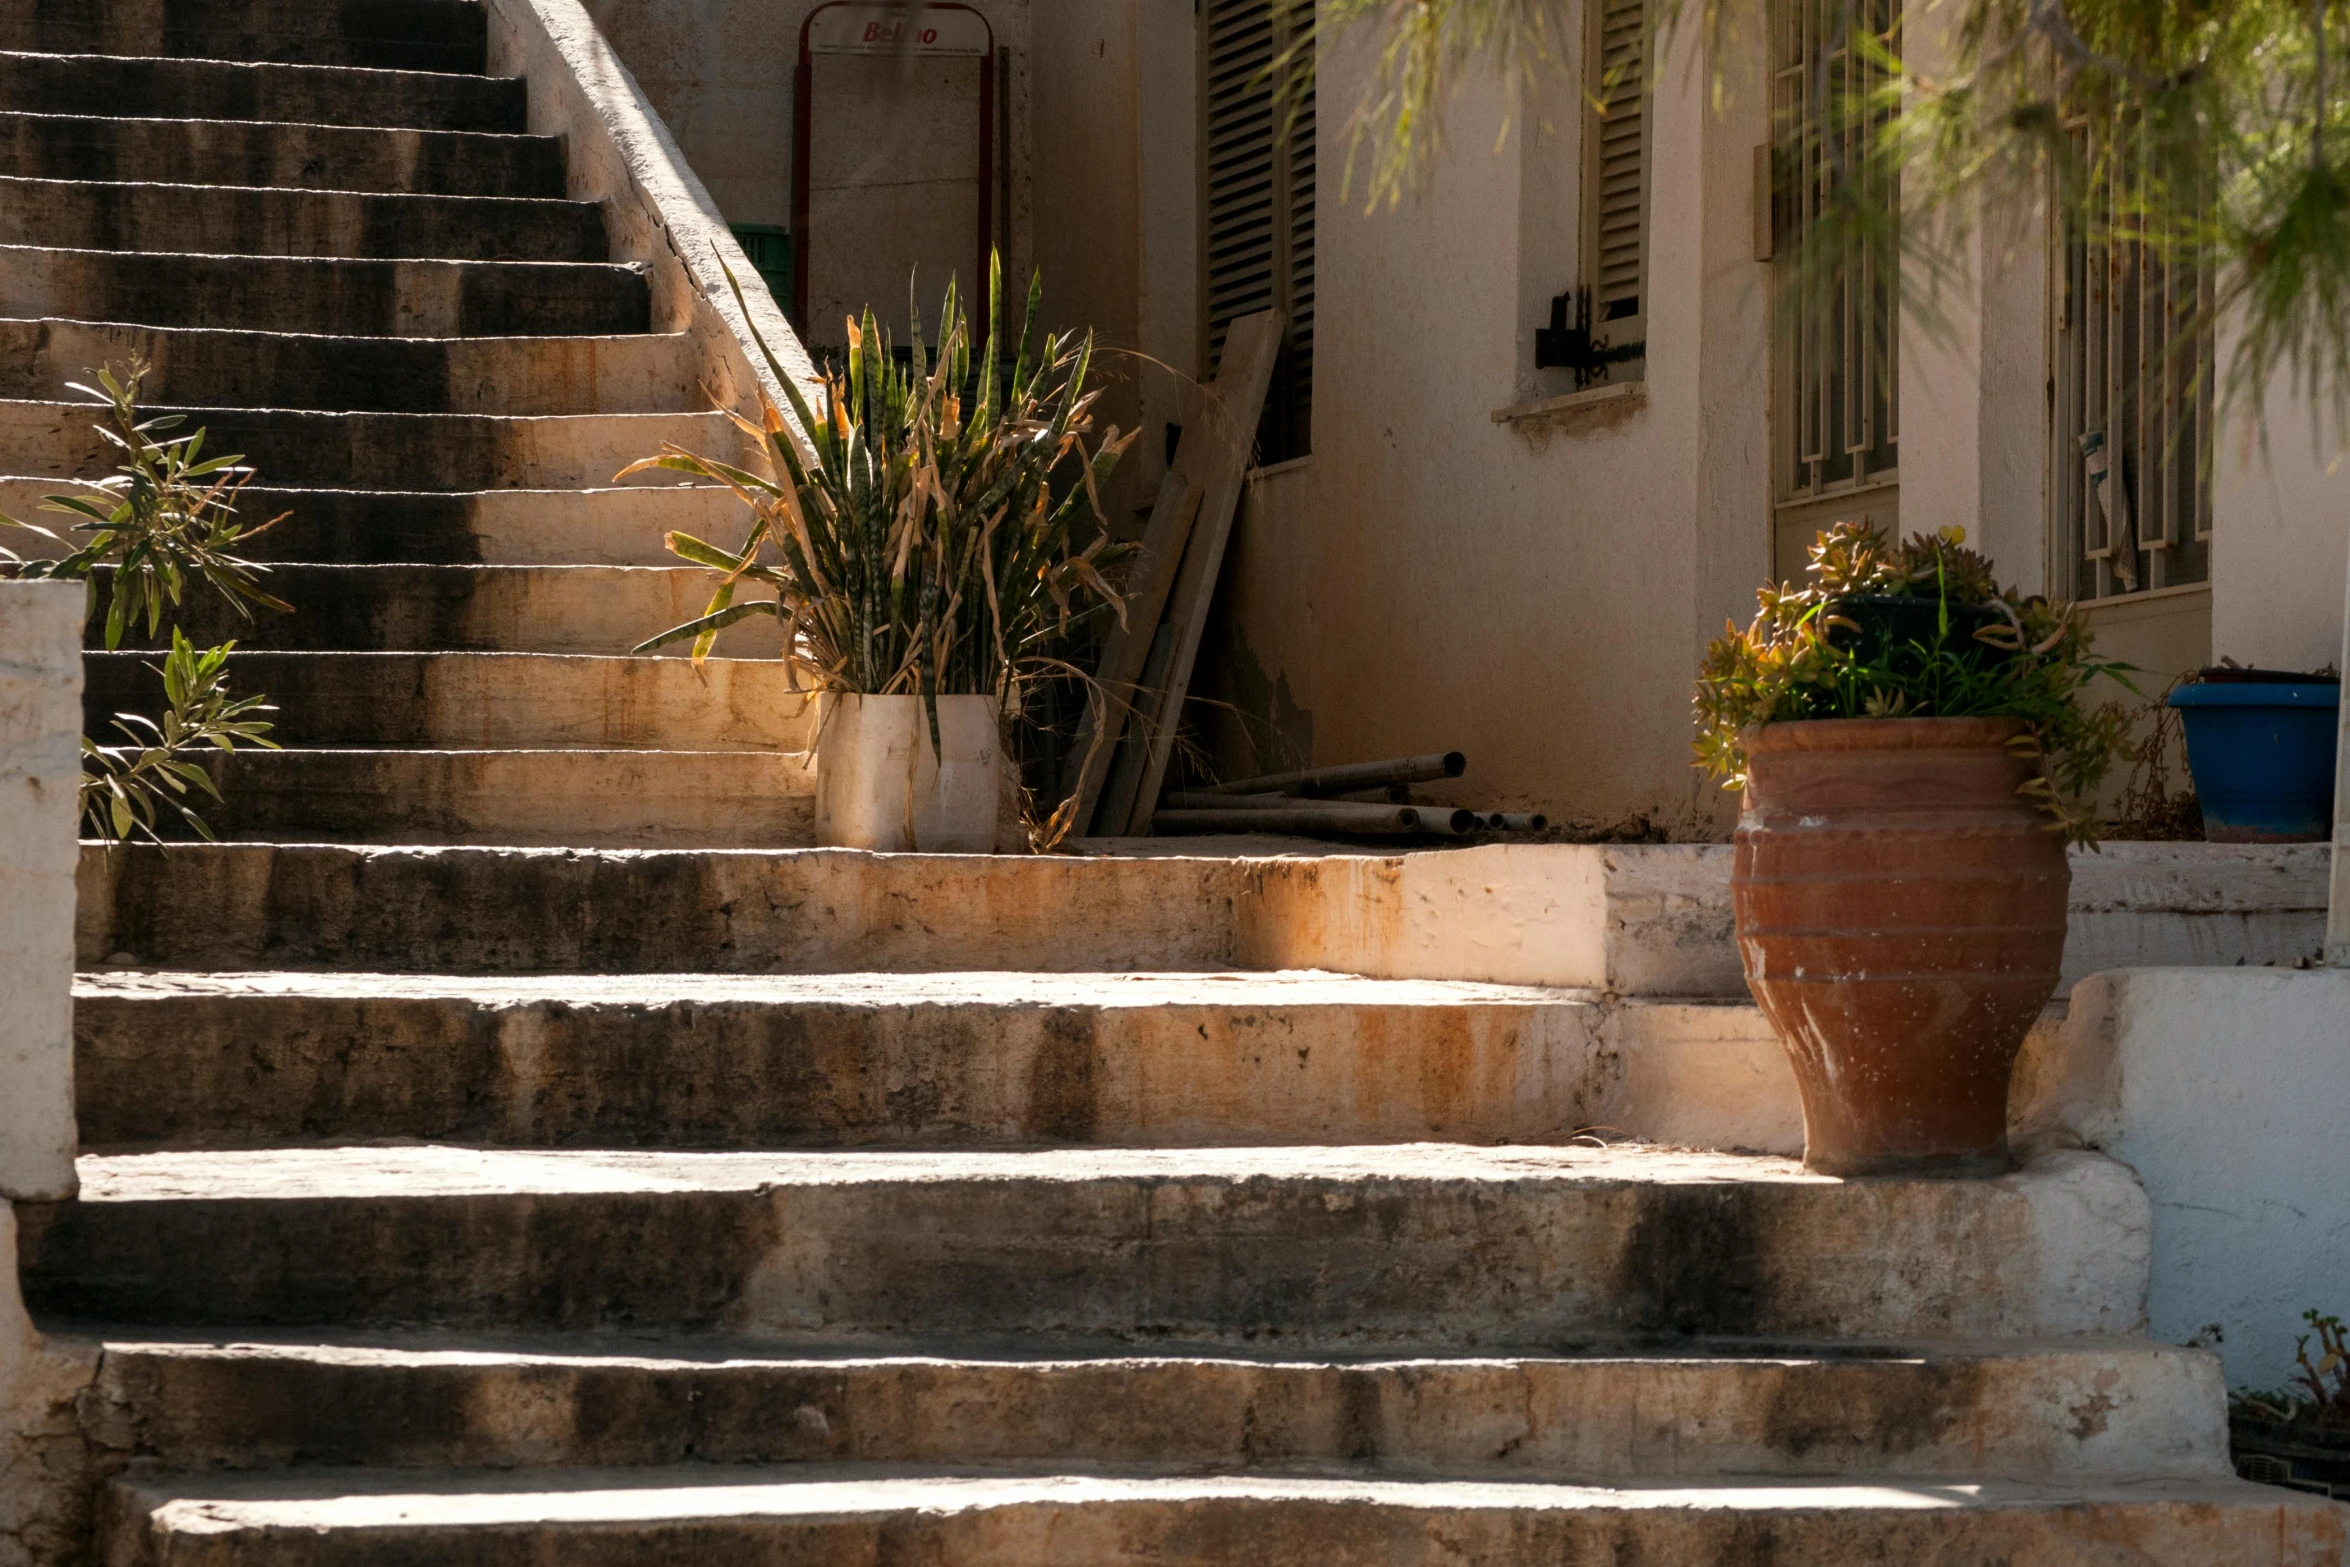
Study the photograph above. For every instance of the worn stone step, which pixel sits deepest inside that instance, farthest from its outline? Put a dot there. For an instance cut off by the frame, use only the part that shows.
(485, 701)
(603, 527)
(969, 1059)
(858, 1516)
(1418, 1244)
(595, 610)
(36, 83)
(592, 799)
(364, 450)
(262, 152)
(706, 1061)
(637, 373)
(396, 35)
(241, 220)
(351, 298)
(2020, 1411)
(476, 911)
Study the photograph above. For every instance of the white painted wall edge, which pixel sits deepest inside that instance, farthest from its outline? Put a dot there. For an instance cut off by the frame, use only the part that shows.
(40, 780)
(2224, 1089)
(619, 153)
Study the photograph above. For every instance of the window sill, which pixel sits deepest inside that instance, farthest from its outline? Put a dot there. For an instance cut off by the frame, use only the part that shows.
(1616, 399)
(2120, 601)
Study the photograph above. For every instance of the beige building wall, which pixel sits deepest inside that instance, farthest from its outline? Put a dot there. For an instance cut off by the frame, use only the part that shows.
(1534, 590)
(1537, 589)
(722, 72)
(2280, 532)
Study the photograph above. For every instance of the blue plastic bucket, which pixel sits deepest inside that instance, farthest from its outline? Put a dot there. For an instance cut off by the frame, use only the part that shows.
(2262, 752)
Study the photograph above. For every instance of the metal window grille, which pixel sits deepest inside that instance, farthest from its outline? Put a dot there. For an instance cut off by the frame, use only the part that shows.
(2133, 357)
(1838, 393)
(1615, 177)
(1258, 175)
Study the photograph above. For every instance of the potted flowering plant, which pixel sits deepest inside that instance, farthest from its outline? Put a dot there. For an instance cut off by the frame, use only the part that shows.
(1915, 753)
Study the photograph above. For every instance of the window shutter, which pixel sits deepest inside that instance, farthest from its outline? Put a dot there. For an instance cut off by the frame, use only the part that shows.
(1615, 226)
(1257, 208)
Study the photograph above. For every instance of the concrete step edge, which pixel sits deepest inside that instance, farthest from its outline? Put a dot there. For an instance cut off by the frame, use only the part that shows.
(154, 256)
(381, 1500)
(465, 344)
(198, 413)
(1777, 1409)
(314, 125)
(310, 192)
(1008, 988)
(320, 72)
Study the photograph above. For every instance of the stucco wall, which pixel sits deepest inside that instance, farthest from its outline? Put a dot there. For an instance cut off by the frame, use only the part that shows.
(1535, 594)
(2281, 523)
(41, 1478)
(2225, 1090)
(40, 766)
(720, 72)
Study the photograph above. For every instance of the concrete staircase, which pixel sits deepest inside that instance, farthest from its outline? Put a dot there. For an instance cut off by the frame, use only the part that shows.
(324, 228)
(629, 1200)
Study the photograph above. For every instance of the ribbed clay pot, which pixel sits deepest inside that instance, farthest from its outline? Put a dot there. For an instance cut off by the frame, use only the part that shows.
(1901, 913)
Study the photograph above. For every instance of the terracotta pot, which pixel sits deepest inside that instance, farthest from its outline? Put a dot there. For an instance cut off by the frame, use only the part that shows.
(1901, 915)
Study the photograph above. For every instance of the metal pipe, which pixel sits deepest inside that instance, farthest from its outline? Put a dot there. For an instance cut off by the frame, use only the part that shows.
(1314, 818)
(1350, 777)
(1517, 821)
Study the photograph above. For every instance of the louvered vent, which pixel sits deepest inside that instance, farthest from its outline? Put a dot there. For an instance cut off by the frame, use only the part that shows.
(1258, 176)
(1616, 180)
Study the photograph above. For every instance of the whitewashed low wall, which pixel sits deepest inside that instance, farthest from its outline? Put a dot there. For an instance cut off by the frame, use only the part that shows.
(40, 771)
(2228, 1090)
(41, 1517)
(1654, 920)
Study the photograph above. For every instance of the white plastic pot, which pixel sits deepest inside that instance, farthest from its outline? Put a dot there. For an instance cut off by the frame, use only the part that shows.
(880, 786)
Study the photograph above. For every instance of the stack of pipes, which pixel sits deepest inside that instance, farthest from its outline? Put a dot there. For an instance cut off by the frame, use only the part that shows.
(1371, 799)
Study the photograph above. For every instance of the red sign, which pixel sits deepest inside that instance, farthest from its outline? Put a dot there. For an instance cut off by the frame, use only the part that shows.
(883, 29)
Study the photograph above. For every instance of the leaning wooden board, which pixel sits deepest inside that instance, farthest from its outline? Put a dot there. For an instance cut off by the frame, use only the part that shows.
(1146, 664)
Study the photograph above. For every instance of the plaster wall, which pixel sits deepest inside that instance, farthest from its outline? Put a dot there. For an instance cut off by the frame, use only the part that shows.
(40, 765)
(1535, 592)
(40, 770)
(2224, 1090)
(1080, 180)
(2281, 516)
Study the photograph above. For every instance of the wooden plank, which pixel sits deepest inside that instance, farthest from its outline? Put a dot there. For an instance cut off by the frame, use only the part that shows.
(1128, 645)
(1238, 403)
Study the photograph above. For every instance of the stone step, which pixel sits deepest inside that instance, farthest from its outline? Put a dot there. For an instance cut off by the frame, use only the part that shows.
(836, 1518)
(239, 220)
(487, 701)
(476, 911)
(313, 294)
(262, 152)
(594, 610)
(2018, 1411)
(395, 35)
(367, 450)
(638, 373)
(35, 83)
(706, 1061)
(970, 1059)
(605, 527)
(1433, 1244)
(587, 799)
